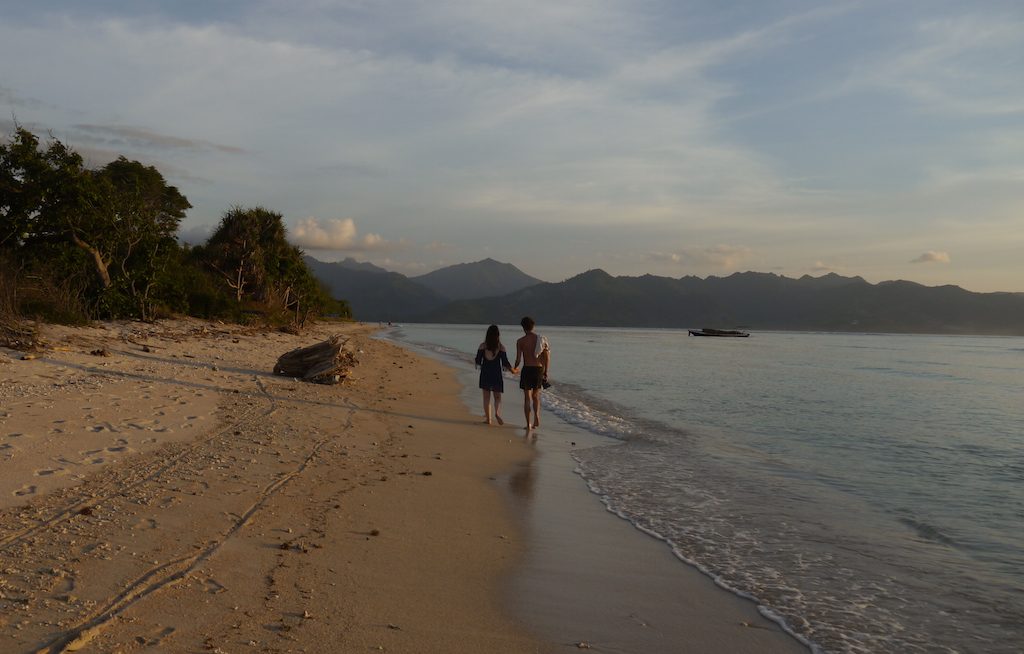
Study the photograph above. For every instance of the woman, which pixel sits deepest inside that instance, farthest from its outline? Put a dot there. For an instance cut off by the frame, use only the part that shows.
(491, 358)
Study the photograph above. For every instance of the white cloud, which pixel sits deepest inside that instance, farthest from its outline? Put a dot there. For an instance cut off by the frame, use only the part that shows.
(665, 257)
(932, 256)
(334, 234)
(724, 257)
(968, 64)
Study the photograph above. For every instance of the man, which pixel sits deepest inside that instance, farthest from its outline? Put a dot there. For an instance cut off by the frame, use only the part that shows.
(533, 352)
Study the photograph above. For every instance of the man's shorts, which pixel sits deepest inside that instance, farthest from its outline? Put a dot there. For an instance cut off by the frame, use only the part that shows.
(531, 377)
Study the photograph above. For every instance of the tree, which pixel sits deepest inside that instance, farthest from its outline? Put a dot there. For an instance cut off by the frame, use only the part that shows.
(250, 252)
(244, 245)
(142, 217)
(123, 218)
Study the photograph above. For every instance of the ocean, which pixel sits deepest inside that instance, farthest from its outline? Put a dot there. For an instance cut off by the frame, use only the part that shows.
(867, 491)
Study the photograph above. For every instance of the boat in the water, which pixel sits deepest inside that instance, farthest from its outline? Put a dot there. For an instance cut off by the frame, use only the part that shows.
(718, 332)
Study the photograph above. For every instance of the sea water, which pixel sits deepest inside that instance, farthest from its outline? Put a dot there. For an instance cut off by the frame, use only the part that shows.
(867, 491)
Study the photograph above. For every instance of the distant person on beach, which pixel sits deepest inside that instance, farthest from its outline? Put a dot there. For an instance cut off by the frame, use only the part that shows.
(491, 358)
(533, 351)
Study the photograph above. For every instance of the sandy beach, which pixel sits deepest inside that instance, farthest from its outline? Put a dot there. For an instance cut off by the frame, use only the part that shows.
(163, 491)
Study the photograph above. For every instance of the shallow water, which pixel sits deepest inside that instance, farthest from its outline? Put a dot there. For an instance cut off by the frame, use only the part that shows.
(866, 490)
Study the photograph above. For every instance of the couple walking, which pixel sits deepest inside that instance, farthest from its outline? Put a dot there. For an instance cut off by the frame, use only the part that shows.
(533, 351)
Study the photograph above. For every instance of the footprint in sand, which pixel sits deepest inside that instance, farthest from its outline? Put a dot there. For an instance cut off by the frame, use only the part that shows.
(155, 639)
(6, 446)
(119, 449)
(213, 586)
(145, 523)
(25, 490)
(16, 434)
(47, 472)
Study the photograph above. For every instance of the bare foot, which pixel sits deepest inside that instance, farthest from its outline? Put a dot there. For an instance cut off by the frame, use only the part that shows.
(486, 422)
(500, 421)
(536, 423)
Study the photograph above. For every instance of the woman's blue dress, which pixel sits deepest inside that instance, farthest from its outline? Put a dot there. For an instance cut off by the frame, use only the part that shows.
(490, 370)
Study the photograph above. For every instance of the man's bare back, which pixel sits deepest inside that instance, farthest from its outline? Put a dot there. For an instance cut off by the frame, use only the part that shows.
(526, 347)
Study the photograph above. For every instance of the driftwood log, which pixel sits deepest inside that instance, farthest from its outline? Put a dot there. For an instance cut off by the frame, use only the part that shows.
(328, 362)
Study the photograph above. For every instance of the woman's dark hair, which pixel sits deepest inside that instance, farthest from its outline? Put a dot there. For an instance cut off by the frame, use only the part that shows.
(492, 340)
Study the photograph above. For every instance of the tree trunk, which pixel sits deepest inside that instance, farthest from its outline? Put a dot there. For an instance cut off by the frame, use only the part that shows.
(97, 257)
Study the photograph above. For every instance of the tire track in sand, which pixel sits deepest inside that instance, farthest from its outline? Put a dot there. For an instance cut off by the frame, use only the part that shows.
(175, 571)
(140, 473)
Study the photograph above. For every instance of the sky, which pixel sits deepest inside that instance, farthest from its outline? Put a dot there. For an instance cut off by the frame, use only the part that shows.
(673, 137)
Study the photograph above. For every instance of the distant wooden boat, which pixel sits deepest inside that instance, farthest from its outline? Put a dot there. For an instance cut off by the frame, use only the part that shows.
(719, 332)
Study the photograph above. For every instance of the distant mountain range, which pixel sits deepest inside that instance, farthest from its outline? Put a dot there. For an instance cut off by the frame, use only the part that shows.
(492, 292)
(376, 294)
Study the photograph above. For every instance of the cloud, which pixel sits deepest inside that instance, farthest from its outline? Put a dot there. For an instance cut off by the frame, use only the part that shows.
(721, 256)
(967, 64)
(932, 256)
(334, 234)
(145, 138)
(665, 257)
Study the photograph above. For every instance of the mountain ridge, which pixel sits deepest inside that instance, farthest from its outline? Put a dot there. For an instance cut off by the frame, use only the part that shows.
(751, 299)
(754, 300)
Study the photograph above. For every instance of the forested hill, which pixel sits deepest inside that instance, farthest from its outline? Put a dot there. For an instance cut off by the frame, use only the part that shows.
(377, 294)
(751, 300)
(466, 281)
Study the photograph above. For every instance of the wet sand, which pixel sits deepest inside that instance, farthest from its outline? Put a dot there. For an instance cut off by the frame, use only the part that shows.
(589, 577)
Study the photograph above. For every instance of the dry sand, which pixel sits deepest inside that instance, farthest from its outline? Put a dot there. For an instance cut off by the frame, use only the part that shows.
(174, 496)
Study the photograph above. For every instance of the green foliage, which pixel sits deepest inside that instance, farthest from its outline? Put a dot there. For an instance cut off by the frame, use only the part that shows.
(59, 219)
(78, 243)
(250, 253)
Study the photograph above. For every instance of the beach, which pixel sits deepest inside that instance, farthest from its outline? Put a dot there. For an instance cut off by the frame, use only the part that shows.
(163, 491)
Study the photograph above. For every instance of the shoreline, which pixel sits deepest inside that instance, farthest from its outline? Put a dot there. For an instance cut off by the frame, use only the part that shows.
(187, 499)
(591, 577)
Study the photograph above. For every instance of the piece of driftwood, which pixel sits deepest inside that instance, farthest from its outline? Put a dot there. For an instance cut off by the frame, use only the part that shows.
(324, 363)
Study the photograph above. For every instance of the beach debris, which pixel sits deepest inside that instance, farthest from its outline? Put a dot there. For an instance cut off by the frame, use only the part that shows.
(583, 645)
(28, 357)
(17, 335)
(394, 626)
(375, 532)
(101, 352)
(427, 473)
(327, 362)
